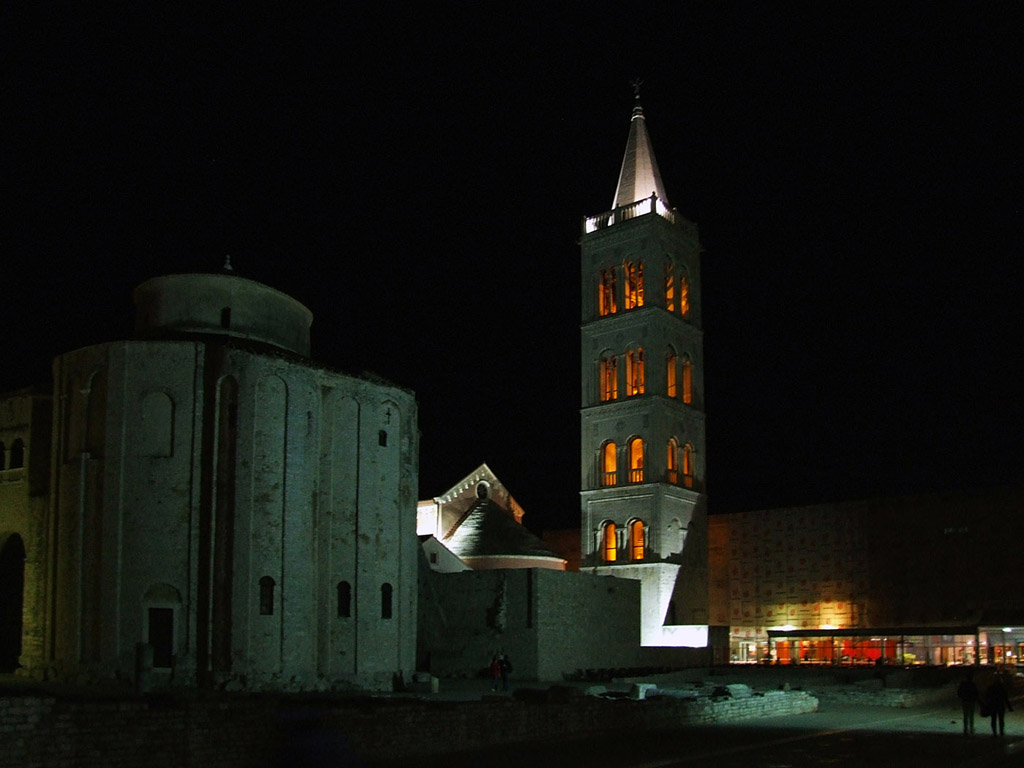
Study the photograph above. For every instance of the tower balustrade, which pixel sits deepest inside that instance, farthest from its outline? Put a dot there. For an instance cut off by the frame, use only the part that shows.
(626, 212)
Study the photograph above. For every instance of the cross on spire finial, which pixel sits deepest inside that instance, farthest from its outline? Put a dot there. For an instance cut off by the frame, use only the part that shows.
(636, 82)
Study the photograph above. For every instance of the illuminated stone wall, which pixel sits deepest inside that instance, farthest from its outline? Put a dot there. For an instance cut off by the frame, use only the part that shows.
(550, 623)
(802, 567)
(222, 482)
(212, 493)
(619, 485)
(25, 417)
(930, 559)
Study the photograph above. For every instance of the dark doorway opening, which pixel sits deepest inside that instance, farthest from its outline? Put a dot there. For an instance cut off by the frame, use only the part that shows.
(161, 636)
(12, 601)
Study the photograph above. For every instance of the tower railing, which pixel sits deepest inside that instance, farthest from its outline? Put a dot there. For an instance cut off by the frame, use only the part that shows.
(652, 204)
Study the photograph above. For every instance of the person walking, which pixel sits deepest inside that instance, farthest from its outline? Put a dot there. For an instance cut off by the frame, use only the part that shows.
(506, 671)
(967, 692)
(495, 673)
(997, 701)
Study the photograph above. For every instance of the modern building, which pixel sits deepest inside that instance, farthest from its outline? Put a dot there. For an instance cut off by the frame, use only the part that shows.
(212, 506)
(643, 512)
(915, 579)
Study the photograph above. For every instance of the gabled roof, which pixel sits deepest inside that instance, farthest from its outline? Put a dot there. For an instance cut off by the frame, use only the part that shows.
(639, 177)
(489, 531)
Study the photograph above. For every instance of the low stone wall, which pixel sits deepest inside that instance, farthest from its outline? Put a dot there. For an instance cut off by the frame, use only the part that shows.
(767, 704)
(886, 697)
(263, 730)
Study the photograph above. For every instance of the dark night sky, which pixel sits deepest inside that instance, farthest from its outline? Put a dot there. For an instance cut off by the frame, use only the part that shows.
(417, 179)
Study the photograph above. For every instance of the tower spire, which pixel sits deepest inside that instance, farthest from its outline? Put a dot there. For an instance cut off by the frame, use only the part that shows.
(639, 177)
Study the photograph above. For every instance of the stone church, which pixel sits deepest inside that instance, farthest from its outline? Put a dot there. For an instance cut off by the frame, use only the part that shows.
(210, 504)
(204, 504)
(643, 515)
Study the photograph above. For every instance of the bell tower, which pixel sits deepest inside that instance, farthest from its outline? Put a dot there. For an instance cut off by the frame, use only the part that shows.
(642, 410)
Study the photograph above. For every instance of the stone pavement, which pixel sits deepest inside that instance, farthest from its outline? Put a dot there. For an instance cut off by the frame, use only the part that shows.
(838, 734)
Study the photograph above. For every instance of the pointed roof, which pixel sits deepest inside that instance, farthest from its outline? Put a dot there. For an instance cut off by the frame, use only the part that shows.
(639, 176)
(490, 531)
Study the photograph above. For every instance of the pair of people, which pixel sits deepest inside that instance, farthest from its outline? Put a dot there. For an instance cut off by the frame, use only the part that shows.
(501, 669)
(994, 703)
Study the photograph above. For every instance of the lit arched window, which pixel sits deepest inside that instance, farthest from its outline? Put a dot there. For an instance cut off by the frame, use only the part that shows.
(670, 288)
(344, 599)
(687, 380)
(266, 596)
(636, 460)
(672, 460)
(609, 544)
(609, 377)
(634, 284)
(17, 457)
(606, 292)
(671, 363)
(609, 471)
(636, 540)
(385, 600)
(688, 465)
(635, 372)
(684, 295)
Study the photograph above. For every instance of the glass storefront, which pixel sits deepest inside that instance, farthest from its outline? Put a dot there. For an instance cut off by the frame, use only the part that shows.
(961, 645)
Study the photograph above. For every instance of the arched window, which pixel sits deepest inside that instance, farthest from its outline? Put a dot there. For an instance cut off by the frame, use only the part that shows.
(157, 438)
(671, 363)
(635, 372)
(606, 293)
(609, 377)
(344, 600)
(670, 288)
(672, 460)
(267, 585)
(17, 457)
(636, 540)
(609, 470)
(385, 600)
(634, 297)
(688, 465)
(609, 543)
(684, 295)
(636, 460)
(687, 381)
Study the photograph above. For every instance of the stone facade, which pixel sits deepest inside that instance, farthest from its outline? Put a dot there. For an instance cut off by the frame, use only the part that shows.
(937, 559)
(554, 625)
(642, 398)
(223, 510)
(25, 419)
